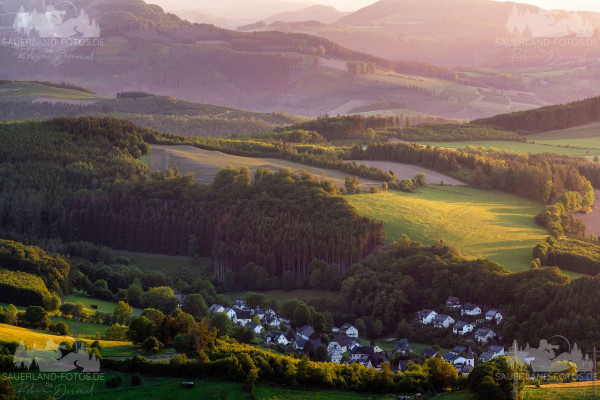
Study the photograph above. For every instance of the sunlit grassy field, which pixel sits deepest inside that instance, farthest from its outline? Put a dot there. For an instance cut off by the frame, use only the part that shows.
(540, 146)
(30, 337)
(103, 305)
(479, 223)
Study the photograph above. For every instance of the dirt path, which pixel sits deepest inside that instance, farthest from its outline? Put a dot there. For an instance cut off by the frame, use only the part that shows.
(592, 219)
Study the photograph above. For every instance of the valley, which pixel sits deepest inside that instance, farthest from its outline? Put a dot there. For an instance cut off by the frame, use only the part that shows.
(299, 202)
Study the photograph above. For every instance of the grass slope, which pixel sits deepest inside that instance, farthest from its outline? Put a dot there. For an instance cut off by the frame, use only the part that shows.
(170, 388)
(205, 164)
(540, 146)
(30, 337)
(29, 91)
(485, 224)
(103, 305)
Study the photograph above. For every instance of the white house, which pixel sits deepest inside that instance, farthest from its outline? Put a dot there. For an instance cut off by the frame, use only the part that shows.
(243, 317)
(490, 315)
(348, 330)
(216, 308)
(257, 328)
(500, 315)
(443, 321)
(453, 302)
(333, 345)
(335, 356)
(403, 347)
(240, 303)
(305, 332)
(484, 335)
(231, 314)
(454, 358)
(276, 338)
(426, 316)
(462, 328)
(470, 309)
(492, 352)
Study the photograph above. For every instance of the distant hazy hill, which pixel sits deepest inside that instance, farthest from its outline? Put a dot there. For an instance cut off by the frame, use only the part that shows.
(45, 100)
(320, 13)
(153, 51)
(456, 32)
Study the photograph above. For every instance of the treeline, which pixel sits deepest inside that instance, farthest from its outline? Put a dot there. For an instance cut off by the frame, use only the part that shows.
(226, 359)
(572, 253)
(541, 177)
(550, 118)
(453, 132)
(234, 221)
(24, 289)
(346, 127)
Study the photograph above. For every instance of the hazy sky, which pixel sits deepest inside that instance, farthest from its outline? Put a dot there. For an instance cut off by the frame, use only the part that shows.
(589, 5)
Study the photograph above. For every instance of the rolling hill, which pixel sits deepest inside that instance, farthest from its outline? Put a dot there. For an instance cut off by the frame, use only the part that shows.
(44, 100)
(145, 49)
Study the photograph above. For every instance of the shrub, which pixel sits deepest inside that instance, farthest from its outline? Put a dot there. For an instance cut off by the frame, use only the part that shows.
(136, 379)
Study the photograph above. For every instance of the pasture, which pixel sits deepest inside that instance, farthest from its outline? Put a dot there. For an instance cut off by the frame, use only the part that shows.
(540, 146)
(205, 164)
(481, 224)
(103, 305)
(170, 388)
(30, 337)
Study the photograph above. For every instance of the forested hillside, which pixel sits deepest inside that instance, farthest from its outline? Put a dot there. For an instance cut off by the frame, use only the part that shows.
(104, 194)
(152, 51)
(39, 101)
(550, 118)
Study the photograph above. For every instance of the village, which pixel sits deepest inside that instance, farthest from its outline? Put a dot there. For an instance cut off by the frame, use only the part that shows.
(473, 329)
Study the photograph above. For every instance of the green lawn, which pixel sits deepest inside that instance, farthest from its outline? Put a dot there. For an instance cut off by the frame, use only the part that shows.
(84, 329)
(171, 264)
(479, 223)
(170, 388)
(103, 305)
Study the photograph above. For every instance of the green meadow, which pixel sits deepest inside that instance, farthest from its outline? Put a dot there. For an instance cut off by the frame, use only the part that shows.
(568, 147)
(170, 388)
(481, 224)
